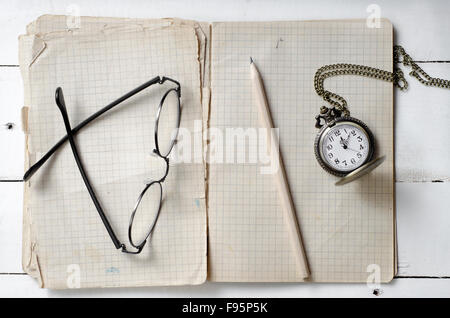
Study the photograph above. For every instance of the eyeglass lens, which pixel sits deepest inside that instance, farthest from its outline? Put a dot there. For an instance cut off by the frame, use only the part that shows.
(145, 215)
(167, 122)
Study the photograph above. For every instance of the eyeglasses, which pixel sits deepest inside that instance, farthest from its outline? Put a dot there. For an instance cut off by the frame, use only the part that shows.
(169, 106)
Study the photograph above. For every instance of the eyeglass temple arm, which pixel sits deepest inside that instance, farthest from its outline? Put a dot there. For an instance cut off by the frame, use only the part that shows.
(59, 97)
(32, 170)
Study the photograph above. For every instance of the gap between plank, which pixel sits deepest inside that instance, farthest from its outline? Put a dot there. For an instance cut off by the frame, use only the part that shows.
(422, 277)
(395, 277)
(6, 180)
(396, 181)
(437, 61)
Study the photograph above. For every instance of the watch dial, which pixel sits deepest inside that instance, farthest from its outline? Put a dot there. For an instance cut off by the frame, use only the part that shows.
(345, 147)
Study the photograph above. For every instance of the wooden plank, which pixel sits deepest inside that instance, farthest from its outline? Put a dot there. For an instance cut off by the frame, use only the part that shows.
(421, 26)
(24, 286)
(422, 129)
(11, 198)
(423, 225)
(12, 154)
(11, 134)
(11, 92)
(423, 220)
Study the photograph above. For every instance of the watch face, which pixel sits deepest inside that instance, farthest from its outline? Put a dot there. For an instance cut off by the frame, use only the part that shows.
(344, 146)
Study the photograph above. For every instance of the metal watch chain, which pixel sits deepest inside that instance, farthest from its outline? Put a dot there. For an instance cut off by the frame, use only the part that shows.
(397, 77)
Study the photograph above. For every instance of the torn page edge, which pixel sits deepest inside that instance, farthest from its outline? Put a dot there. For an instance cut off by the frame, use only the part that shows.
(30, 259)
(31, 52)
(207, 116)
(39, 46)
(202, 49)
(206, 112)
(24, 118)
(59, 23)
(203, 60)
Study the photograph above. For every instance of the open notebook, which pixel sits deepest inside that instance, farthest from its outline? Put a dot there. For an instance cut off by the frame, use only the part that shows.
(220, 221)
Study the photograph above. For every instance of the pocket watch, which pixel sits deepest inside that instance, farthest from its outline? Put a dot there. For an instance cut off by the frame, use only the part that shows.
(344, 145)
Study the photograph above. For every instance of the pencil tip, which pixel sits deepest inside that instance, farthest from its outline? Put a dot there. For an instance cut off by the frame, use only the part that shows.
(251, 60)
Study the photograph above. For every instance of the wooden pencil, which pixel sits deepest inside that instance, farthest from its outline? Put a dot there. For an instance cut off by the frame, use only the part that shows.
(284, 192)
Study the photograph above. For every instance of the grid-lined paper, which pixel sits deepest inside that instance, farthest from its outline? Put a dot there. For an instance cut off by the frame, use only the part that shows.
(345, 229)
(94, 65)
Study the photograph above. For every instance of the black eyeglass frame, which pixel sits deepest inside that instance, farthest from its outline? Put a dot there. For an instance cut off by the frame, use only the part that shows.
(59, 98)
(159, 182)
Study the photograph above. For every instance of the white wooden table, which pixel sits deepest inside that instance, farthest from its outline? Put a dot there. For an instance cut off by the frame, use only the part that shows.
(421, 140)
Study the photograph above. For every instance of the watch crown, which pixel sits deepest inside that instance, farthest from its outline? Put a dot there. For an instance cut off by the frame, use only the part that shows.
(323, 110)
(327, 115)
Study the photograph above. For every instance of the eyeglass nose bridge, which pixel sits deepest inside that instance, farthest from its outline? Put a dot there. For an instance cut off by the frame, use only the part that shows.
(133, 213)
(166, 159)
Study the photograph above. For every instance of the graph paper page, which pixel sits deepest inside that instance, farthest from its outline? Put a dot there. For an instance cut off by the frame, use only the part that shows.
(64, 238)
(348, 231)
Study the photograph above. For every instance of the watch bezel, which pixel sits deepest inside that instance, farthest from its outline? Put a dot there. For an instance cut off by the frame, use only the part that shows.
(323, 131)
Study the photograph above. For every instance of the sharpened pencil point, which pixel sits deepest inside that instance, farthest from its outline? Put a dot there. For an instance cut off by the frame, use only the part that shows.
(251, 60)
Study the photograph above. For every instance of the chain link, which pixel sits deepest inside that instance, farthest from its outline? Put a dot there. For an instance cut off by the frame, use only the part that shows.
(397, 77)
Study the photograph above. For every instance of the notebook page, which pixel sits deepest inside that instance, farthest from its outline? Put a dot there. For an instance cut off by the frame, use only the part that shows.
(93, 68)
(347, 231)
(51, 23)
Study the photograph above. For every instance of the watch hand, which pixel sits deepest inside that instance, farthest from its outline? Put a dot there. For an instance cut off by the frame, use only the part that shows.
(343, 143)
(352, 149)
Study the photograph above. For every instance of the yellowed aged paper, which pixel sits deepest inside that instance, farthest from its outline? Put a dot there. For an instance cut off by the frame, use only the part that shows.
(348, 231)
(95, 64)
